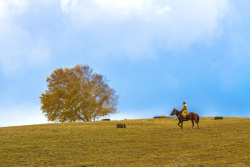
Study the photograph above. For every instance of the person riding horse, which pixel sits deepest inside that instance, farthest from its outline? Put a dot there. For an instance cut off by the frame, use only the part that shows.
(191, 116)
(184, 110)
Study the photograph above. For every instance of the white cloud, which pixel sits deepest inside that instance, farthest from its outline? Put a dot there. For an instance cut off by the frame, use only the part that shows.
(21, 115)
(166, 9)
(10, 8)
(115, 10)
(126, 29)
(18, 48)
(134, 27)
(18, 56)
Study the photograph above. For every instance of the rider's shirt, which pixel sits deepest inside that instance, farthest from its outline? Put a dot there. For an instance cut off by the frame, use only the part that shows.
(184, 110)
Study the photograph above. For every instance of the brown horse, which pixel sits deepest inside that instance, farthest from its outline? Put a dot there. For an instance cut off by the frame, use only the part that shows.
(191, 116)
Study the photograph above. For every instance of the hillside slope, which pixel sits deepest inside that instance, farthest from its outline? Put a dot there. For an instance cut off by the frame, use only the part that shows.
(148, 142)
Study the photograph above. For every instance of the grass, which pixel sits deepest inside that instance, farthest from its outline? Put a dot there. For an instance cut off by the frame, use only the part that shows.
(146, 142)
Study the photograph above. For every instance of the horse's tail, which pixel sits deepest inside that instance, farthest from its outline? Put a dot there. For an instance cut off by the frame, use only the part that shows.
(198, 118)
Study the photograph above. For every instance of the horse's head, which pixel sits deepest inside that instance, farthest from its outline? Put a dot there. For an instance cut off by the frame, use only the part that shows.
(173, 112)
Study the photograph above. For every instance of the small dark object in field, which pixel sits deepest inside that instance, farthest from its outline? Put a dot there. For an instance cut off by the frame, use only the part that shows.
(121, 126)
(162, 116)
(105, 119)
(218, 118)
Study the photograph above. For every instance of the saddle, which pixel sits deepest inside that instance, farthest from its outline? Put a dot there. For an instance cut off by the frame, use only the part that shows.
(184, 119)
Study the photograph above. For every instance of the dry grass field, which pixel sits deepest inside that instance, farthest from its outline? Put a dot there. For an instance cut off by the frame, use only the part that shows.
(145, 142)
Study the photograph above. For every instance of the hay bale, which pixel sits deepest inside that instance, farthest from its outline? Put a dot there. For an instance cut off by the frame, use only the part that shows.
(105, 119)
(162, 116)
(216, 118)
(121, 126)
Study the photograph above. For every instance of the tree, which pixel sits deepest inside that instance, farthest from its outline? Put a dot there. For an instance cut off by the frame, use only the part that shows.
(77, 94)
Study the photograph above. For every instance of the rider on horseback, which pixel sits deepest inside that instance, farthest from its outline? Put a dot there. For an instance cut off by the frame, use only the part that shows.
(184, 110)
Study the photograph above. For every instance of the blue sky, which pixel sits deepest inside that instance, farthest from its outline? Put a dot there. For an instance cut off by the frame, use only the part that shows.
(155, 54)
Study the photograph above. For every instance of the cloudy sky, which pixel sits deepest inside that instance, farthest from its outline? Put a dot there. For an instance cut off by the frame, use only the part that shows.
(155, 54)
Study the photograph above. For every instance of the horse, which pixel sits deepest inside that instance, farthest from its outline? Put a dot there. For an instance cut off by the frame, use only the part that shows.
(191, 116)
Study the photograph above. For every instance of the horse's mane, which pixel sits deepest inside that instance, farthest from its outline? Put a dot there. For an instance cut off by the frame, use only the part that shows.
(176, 110)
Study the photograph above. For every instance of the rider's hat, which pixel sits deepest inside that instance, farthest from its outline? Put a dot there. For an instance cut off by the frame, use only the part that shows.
(184, 102)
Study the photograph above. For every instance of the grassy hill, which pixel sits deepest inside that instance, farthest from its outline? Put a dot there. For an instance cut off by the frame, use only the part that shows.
(147, 142)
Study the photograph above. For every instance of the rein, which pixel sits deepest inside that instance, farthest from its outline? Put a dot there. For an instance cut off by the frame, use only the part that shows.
(178, 115)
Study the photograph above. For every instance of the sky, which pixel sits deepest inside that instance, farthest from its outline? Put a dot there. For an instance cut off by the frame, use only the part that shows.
(155, 54)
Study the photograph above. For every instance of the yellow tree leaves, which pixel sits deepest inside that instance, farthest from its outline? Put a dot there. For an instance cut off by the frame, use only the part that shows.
(77, 94)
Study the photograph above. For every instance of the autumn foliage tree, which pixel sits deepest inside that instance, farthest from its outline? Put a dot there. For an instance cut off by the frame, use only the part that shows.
(77, 94)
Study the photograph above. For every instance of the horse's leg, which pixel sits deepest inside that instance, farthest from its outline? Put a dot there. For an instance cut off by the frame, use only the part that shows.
(181, 124)
(195, 119)
(198, 125)
(197, 122)
(192, 123)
